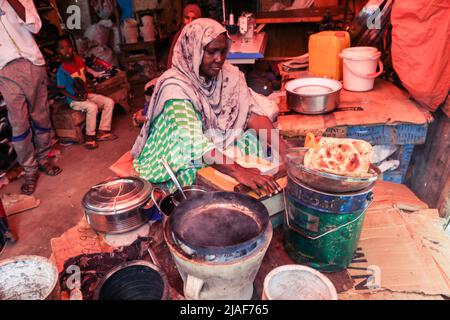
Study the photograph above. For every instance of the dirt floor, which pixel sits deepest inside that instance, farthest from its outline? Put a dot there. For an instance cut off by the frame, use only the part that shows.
(61, 196)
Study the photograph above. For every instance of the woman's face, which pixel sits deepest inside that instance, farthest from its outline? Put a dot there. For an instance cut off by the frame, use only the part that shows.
(189, 17)
(214, 56)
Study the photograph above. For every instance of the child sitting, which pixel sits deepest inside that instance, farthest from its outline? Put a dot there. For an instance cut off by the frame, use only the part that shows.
(71, 80)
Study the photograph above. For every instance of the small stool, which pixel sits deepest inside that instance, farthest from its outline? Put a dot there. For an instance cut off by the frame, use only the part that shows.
(68, 123)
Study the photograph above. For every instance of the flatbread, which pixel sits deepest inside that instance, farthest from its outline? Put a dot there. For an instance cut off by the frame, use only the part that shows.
(347, 157)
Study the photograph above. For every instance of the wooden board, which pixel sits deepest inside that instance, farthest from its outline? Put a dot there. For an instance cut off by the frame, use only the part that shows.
(299, 15)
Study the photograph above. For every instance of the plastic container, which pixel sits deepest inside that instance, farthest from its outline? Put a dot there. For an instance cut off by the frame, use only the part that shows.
(130, 31)
(360, 67)
(295, 282)
(324, 48)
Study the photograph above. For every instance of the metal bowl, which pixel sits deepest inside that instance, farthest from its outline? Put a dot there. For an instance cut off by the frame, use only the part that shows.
(326, 181)
(313, 95)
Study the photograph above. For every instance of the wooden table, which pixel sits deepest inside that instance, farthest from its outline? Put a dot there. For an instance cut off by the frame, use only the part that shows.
(382, 116)
(247, 51)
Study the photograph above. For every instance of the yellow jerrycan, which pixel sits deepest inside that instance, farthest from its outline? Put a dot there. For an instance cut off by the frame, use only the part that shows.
(324, 48)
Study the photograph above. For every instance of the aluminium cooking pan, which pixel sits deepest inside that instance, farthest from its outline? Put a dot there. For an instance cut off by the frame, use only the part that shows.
(218, 223)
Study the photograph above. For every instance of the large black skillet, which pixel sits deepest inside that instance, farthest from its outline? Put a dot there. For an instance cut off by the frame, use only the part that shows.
(218, 223)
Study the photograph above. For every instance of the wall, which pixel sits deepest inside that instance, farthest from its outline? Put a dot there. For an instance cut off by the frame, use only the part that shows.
(429, 174)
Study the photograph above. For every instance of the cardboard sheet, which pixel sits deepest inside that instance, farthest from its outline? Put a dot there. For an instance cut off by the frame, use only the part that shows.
(81, 239)
(385, 104)
(124, 166)
(16, 203)
(400, 253)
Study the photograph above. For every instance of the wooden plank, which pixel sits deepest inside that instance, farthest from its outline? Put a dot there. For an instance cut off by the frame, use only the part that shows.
(299, 15)
(288, 40)
(444, 201)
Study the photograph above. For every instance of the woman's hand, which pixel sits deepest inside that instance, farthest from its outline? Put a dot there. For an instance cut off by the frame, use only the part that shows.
(252, 178)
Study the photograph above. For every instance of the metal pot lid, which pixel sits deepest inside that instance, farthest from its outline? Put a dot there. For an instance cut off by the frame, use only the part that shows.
(117, 195)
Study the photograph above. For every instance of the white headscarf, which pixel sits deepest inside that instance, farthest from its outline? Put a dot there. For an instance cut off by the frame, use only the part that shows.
(224, 102)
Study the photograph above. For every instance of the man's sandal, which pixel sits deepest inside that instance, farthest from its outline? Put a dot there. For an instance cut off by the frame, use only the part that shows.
(29, 185)
(49, 169)
(106, 136)
(90, 144)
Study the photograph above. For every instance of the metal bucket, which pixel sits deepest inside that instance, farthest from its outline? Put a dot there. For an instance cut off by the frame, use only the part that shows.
(323, 235)
(349, 202)
(134, 280)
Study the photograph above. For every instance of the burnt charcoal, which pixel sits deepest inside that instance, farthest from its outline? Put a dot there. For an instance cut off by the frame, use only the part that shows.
(94, 267)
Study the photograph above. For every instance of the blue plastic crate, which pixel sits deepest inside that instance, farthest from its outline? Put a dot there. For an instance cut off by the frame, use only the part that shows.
(404, 154)
(394, 176)
(401, 134)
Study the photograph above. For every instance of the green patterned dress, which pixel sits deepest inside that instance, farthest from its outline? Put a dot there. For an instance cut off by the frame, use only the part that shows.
(177, 136)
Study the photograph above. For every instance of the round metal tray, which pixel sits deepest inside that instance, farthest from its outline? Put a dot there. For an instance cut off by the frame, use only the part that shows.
(323, 181)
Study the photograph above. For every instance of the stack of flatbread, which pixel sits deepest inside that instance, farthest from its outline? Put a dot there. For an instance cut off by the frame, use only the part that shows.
(346, 157)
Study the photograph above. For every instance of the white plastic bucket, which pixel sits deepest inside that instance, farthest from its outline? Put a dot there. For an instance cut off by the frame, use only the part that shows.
(148, 33)
(360, 67)
(297, 282)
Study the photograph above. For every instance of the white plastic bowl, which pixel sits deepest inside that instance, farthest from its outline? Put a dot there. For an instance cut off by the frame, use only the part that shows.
(297, 282)
(27, 278)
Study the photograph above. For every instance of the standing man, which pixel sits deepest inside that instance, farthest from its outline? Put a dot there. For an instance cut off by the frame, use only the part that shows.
(23, 84)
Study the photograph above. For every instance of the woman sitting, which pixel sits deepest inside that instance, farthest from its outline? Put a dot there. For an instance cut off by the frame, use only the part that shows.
(200, 107)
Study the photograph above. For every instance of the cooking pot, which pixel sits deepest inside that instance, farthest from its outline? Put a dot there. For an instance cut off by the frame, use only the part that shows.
(117, 205)
(313, 95)
(169, 201)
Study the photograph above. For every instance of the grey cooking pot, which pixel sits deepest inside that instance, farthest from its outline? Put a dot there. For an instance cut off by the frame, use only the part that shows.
(313, 95)
(170, 201)
(117, 205)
